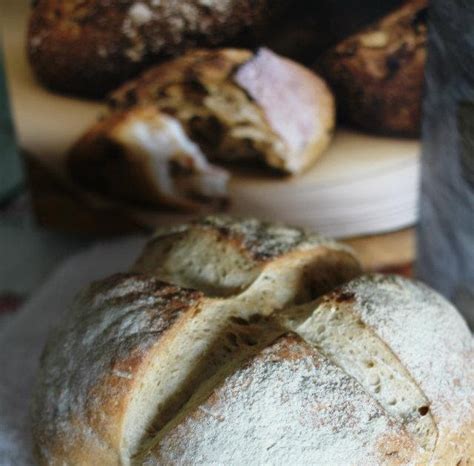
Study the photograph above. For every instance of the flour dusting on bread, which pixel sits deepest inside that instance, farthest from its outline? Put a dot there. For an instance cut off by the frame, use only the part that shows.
(235, 341)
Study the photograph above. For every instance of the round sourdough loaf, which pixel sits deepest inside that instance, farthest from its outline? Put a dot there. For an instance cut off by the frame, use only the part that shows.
(88, 47)
(226, 345)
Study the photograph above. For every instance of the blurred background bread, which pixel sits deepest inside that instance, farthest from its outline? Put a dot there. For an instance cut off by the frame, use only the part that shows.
(377, 74)
(222, 105)
(241, 106)
(144, 156)
(238, 144)
(88, 47)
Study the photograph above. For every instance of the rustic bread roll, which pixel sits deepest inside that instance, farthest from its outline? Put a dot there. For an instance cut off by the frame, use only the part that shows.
(377, 74)
(239, 105)
(88, 47)
(254, 365)
(144, 156)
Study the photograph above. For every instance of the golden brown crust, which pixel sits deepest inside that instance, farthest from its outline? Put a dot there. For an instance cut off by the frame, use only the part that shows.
(88, 47)
(118, 325)
(419, 326)
(261, 241)
(377, 74)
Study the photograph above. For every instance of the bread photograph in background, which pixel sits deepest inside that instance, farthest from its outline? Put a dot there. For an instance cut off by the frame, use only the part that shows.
(264, 123)
(169, 289)
(309, 28)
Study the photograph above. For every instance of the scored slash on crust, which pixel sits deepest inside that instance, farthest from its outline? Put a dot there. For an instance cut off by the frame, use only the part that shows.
(259, 328)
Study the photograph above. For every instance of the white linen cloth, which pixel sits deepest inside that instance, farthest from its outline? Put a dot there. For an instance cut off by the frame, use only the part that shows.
(22, 339)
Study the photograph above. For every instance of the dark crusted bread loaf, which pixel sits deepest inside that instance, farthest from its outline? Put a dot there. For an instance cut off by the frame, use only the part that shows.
(378, 73)
(224, 345)
(232, 104)
(88, 47)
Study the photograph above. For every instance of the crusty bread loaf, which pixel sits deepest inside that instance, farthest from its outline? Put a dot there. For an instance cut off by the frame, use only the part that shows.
(239, 105)
(89, 47)
(234, 105)
(378, 73)
(142, 155)
(224, 345)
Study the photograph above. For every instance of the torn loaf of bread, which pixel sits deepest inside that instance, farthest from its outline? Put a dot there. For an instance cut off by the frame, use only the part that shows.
(144, 155)
(226, 345)
(233, 105)
(241, 106)
(377, 74)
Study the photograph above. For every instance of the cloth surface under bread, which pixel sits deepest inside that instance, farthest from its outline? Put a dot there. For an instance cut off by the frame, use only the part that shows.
(22, 339)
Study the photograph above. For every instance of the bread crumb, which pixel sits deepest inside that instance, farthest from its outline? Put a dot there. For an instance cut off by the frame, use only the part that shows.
(102, 51)
(35, 41)
(123, 375)
(140, 13)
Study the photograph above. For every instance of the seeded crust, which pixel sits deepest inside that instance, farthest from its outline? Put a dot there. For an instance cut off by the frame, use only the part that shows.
(89, 47)
(377, 74)
(264, 364)
(241, 106)
(197, 65)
